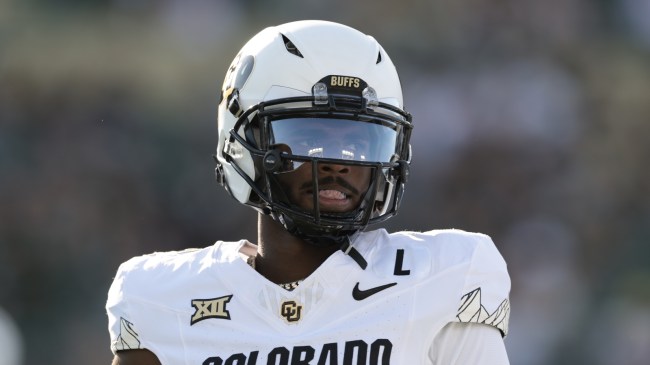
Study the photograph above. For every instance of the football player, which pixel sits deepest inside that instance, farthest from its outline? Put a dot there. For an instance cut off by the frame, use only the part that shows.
(314, 136)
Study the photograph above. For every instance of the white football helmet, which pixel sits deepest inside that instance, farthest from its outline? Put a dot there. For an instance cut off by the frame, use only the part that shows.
(296, 75)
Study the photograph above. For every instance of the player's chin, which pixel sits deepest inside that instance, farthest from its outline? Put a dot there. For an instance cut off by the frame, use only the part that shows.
(338, 206)
(325, 208)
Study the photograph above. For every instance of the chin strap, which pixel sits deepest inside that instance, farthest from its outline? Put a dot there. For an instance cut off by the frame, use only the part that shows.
(343, 240)
(349, 250)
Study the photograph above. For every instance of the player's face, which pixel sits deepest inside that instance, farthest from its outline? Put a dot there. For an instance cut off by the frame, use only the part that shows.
(341, 187)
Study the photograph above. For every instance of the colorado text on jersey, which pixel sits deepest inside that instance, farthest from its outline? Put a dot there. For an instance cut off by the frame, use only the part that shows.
(357, 352)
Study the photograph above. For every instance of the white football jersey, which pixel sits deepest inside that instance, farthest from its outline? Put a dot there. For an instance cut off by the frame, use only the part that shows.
(208, 306)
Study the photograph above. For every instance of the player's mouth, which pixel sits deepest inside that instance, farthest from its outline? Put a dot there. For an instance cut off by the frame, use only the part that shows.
(332, 196)
(335, 194)
(332, 199)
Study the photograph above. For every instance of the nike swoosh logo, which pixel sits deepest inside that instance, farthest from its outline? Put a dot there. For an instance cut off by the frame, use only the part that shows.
(359, 294)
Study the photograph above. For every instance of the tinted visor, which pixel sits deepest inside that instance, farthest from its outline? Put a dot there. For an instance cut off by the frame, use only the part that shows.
(343, 139)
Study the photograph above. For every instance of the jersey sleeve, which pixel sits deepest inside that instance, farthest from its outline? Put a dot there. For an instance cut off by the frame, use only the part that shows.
(469, 343)
(485, 295)
(123, 333)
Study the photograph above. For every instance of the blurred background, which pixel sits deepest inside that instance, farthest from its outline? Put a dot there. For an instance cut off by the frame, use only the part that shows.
(532, 125)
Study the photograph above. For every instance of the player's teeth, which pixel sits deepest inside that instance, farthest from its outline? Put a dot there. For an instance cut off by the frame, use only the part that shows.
(331, 194)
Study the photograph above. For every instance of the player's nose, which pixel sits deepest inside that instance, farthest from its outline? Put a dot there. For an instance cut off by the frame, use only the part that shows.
(334, 168)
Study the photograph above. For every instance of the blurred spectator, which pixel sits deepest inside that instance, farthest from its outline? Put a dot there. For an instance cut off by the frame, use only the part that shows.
(635, 14)
(11, 342)
(548, 288)
(620, 330)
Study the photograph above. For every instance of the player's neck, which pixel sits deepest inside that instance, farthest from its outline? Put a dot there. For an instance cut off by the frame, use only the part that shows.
(282, 257)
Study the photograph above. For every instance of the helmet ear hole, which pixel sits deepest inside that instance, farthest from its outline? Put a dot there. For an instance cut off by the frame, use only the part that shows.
(403, 171)
(252, 132)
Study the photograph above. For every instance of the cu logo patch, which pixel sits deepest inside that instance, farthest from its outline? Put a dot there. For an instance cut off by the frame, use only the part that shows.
(291, 310)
